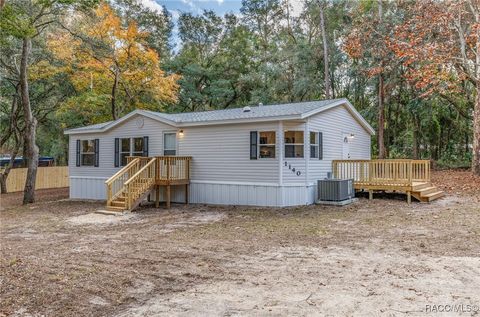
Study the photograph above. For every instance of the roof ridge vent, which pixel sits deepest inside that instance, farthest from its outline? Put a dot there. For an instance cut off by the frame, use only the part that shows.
(246, 109)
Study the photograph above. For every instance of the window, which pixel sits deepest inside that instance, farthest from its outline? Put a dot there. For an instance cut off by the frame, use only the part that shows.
(314, 145)
(130, 147)
(137, 147)
(266, 144)
(294, 144)
(170, 143)
(87, 153)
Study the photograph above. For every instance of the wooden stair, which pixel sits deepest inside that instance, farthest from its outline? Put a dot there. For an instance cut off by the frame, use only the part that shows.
(119, 203)
(135, 180)
(426, 192)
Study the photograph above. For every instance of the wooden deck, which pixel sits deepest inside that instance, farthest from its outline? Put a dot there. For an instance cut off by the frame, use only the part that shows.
(143, 175)
(409, 176)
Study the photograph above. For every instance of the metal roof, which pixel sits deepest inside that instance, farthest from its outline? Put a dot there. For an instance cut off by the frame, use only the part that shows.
(299, 110)
(239, 113)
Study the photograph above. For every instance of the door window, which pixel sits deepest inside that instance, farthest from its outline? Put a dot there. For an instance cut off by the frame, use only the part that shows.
(170, 143)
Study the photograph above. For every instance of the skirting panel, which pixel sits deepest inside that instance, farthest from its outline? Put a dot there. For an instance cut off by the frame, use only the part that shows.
(88, 188)
(210, 193)
(232, 194)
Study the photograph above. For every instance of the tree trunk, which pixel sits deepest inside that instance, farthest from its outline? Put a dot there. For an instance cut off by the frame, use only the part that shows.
(416, 146)
(31, 149)
(476, 129)
(114, 94)
(381, 99)
(381, 118)
(325, 52)
(8, 168)
(476, 107)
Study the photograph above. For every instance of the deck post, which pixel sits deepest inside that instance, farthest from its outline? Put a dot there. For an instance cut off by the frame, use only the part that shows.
(157, 196)
(370, 194)
(409, 197)
(186, 193)
(168, 196)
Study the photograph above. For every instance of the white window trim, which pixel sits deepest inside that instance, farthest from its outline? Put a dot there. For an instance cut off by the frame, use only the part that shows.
(316, 145)
(130, 152)
(176, 141)
(258, 145)
(285, 145)
(83, 153)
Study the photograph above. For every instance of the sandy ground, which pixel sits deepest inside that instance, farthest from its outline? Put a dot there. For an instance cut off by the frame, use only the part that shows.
(372, 258)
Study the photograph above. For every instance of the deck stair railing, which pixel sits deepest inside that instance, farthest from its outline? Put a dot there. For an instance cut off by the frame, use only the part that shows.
(383, 172)
(115, 184)
(139, 176)
(140, 183)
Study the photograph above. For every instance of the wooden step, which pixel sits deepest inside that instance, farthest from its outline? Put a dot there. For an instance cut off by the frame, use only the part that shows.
(117, 203)
(113, 208)
(434, 195)
(419, 186)
(425, 191)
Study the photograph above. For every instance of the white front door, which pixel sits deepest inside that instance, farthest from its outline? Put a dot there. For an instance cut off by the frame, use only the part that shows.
(170, 143)
(346, 147)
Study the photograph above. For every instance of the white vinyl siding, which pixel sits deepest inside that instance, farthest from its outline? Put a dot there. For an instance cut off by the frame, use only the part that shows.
(222, 153)
(128, 129)
(333, 123)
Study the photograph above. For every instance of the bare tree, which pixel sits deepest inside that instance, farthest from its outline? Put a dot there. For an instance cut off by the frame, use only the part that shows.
(325, 49)
(30, 146)
(381, 97)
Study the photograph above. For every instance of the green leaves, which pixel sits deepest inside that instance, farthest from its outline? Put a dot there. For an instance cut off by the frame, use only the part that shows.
(14, 21)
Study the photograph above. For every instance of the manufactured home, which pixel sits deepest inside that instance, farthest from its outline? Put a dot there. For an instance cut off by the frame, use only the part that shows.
(268, 155)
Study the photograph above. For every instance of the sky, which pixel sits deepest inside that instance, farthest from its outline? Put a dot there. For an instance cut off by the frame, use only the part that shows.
(177, 7)
(197, 6)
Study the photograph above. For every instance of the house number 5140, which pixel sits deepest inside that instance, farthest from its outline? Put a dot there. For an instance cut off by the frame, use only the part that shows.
(298, 173)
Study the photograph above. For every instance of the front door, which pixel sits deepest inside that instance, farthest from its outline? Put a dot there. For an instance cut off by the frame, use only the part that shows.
(169, 143)
(346, 146)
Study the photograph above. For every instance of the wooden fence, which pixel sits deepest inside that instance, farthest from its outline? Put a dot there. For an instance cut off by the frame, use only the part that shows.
(47, 177)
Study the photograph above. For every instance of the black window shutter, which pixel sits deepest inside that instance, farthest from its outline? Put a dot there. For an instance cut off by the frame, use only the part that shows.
(116, 154)
(97, 148)
(320, 145)
(145, 146)
(78, 153)
(253, 145)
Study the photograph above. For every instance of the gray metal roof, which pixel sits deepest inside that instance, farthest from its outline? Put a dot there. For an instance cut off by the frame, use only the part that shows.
(278, 110)
(257, 113)
(93, 126)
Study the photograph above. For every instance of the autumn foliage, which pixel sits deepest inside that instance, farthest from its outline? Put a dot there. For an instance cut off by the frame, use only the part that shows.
(113, 63)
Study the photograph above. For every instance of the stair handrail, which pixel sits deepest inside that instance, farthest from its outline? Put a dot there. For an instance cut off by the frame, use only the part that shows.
(109, 182)
(131, 179)
(122, 170)
(136, 177)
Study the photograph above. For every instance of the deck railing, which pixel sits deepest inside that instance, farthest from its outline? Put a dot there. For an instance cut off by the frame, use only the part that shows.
(115, 184)
(140, 182)
(142, 172)
(171, 169)
(383, 172)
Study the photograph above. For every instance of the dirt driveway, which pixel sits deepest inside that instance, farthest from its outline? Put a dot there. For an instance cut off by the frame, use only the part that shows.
(379, 257)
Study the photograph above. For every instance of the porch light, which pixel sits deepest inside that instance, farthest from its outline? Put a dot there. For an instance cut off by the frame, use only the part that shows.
(180, 133)
(352, 136)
